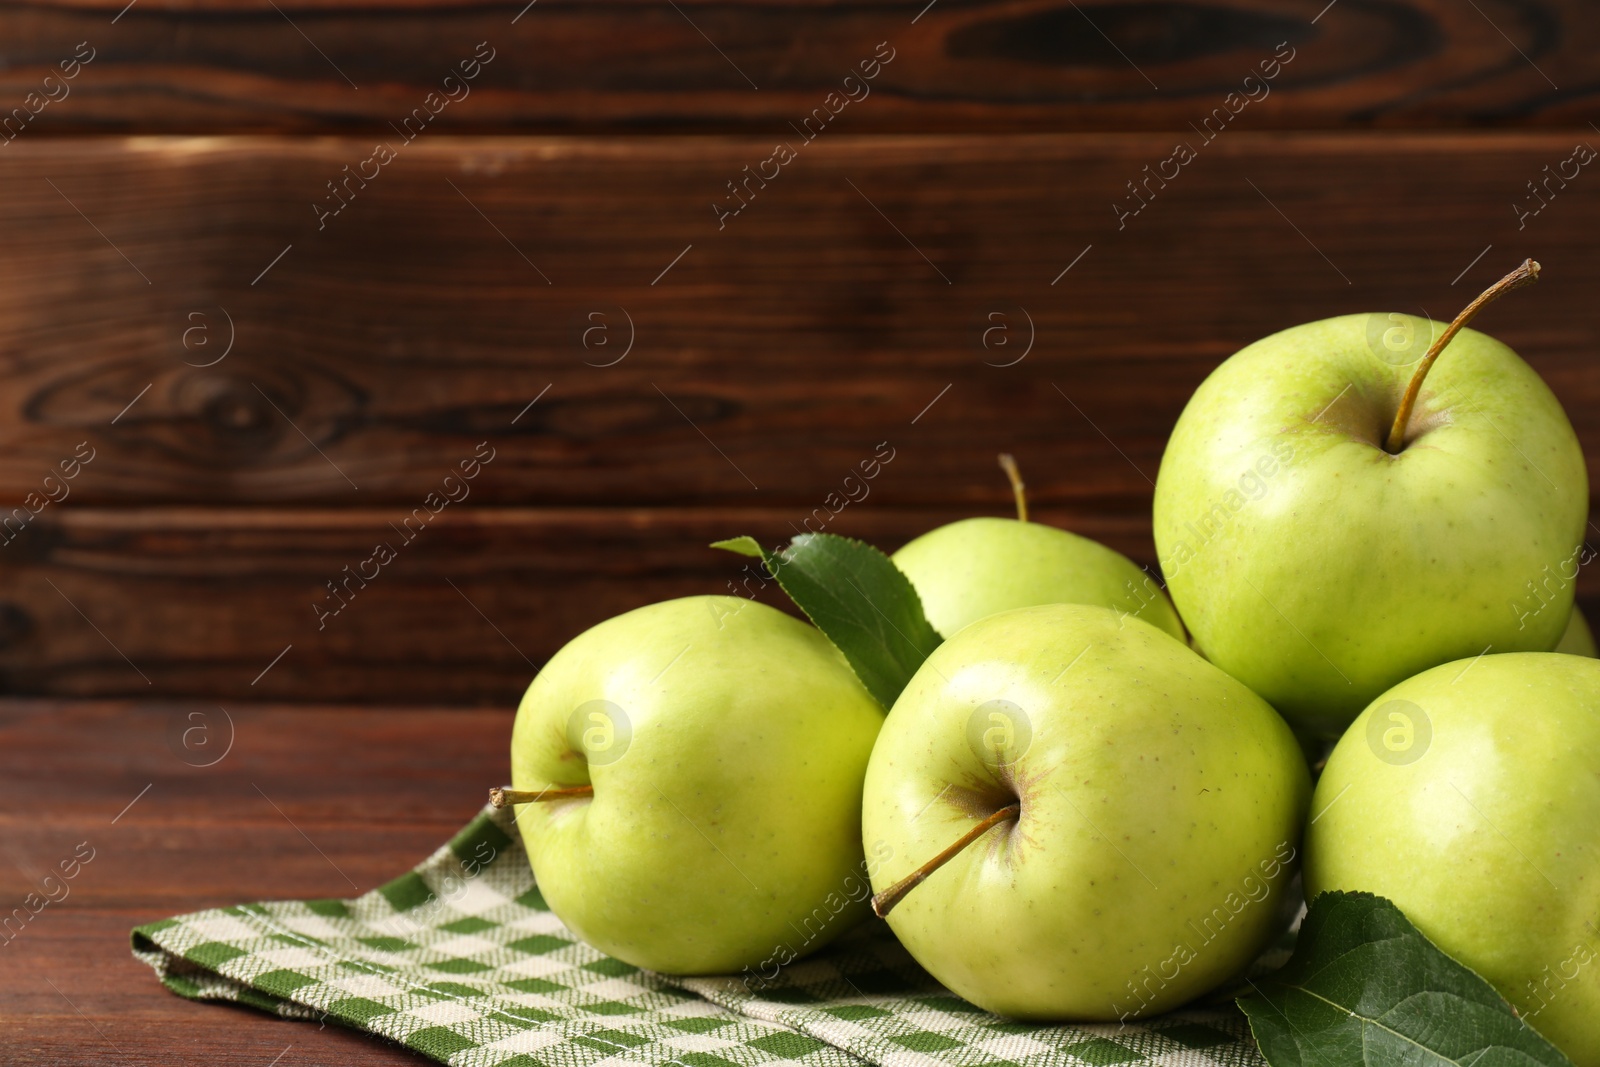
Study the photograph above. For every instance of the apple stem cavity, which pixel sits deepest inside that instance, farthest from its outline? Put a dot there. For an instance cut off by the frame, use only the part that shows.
(504, 796)
(884, 902)
(1008, 463)
(1526, 274)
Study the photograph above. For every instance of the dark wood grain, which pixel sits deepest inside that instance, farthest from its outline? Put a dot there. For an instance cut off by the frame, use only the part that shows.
(840, 317)
(721, 65)
(768, 361)
(199, 602)
(375, 791)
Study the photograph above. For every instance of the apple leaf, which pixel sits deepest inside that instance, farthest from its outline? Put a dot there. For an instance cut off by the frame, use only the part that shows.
(745, 546)
(859, 600)
(1365, 987)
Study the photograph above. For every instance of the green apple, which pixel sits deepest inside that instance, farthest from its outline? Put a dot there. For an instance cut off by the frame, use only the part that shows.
(1468, 795)
(1319, 565)
(1577, 640)
(976, 567)
(725, 745)
(1126, 815)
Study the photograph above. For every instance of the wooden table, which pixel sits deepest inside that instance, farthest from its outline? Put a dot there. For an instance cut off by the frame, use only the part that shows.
(310, 801)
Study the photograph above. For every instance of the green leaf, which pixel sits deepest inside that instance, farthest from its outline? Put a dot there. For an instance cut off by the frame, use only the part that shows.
(745, 546)
(860, 601)
(1366, 989)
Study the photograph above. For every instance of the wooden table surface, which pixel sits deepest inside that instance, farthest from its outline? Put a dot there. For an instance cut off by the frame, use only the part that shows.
(310, 801)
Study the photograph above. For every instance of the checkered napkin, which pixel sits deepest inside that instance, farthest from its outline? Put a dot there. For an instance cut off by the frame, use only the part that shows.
(462, 961)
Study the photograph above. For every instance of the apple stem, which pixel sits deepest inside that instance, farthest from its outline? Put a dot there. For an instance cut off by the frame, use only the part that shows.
(884, 902)
(1008, 463)
(1526, 274)
(504, 796)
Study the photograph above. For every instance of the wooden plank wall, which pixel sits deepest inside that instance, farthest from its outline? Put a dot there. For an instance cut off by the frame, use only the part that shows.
(318, 66)
(255, 378)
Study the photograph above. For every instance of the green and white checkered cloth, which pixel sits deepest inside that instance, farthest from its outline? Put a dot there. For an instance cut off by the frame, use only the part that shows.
(462, 961)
